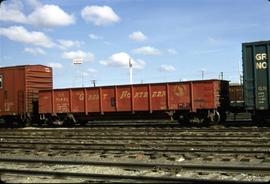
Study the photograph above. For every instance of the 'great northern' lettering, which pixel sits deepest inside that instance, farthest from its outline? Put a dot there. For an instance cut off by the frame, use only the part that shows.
(261, 61)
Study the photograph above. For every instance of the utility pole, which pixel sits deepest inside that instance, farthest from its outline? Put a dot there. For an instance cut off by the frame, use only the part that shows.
(130, 71)
(94, 82)
(82, 79)
(239, 72)
(202, 74)
(221, 75)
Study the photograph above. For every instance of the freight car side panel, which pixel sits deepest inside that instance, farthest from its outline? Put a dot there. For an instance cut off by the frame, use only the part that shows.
(12, 93)
(236, 96)
(61, 101)
(236, 93)
(261, 74)
(179, 96)
(45, 102)
(77, 100)
(203, 95)
(248, 71)
(20, 86)
(256, 75)
(189, 96)
(37, 77)
(217, 94)
(140, 98)
(108, 99)
(93, 100)
(123, 98)
(158, 97)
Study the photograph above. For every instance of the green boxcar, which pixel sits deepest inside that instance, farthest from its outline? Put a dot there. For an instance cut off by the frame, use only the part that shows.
(256, 58)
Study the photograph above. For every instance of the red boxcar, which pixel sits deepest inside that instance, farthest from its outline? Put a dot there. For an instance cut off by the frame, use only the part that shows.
(181, 98)
(19, 87)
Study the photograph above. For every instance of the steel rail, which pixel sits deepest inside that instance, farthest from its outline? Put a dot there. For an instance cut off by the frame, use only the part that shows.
(105, 177)
(212, 167)
(258, 130)
(104, 137)
(136, 134)
(156, 149)
(168, 145)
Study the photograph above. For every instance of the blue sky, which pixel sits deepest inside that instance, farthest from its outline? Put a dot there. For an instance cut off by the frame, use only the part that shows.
(166, 40)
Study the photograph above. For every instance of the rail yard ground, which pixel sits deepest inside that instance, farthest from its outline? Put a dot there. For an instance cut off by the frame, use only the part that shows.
(161, 152)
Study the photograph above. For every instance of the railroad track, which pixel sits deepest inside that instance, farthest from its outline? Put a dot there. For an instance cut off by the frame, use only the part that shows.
(222, 143)
(251, 168)
(238, 140)
(138, 148)
(152, 127)
(199, 151)
(172, 170)
(141, 136)
(231, 135)
(122, 178)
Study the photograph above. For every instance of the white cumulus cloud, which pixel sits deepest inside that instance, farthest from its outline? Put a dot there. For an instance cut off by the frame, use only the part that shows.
(95, 37)
(137, 36)
(65, 44)
(42, 15)
(50, 16)
(12, 12)
(35, 51)
(167, 68)
(139, 64)
(121, 59)
(20, 34)
(55, 65)
(99, 15)
(147, 50)
(85, 56)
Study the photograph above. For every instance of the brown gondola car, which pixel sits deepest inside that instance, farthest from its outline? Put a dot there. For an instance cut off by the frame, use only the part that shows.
(236, 98)
(19, 88)
(200, 101)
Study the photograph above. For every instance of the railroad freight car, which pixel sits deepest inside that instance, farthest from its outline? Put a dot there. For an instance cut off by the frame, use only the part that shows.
(256, 82)
(236, 95)
(191, 101)
(19, 88)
